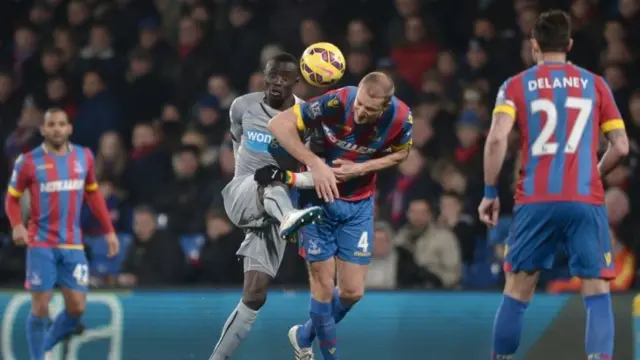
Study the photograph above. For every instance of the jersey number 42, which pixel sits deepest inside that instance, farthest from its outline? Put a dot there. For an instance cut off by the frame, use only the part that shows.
(542, 145)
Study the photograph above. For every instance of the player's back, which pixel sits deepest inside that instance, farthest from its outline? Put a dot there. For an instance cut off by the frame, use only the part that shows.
(56, 185)
(250, 117)
(560, 109)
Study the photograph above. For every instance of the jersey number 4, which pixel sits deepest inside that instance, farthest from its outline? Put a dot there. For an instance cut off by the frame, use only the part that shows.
(542, 145)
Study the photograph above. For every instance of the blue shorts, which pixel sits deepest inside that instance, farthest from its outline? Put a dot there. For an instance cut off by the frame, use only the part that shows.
(582, 229)
(48, 267)
(345, 231)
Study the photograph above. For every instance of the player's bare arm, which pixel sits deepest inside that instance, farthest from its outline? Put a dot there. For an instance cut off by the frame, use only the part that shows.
(284, 128)
(494, 152)
(346, 170)
(617, 149)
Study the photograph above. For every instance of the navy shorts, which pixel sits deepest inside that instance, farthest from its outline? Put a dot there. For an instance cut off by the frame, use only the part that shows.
(539, 228)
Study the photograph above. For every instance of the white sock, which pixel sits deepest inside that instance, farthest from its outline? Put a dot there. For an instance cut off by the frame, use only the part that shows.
(234, 331)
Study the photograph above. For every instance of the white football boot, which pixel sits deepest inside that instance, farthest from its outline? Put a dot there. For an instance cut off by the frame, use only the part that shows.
(299, 352)
(298, 219)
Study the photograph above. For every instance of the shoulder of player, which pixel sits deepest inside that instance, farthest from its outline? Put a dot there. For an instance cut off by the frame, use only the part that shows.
(243, 102)
(402, 111)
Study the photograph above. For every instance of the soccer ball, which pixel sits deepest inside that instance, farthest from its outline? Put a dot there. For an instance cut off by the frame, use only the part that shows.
(322, 64)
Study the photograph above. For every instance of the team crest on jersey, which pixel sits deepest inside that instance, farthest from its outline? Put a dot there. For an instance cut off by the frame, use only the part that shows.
(77, 167)
(333, 103)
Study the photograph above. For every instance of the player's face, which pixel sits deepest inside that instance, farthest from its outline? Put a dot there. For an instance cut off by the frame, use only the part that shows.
(280, 78)
(367, 109)
(56, 128)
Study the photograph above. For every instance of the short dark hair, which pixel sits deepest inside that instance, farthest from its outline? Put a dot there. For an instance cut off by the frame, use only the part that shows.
(285, 58)
(552, 31)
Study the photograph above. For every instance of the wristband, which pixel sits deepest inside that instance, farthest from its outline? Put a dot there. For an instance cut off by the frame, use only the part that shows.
(290, 178)
(490, 192)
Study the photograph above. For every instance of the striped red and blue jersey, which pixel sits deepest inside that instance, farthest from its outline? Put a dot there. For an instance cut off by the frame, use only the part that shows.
(560, 110)
(56, 186)
(333, 114)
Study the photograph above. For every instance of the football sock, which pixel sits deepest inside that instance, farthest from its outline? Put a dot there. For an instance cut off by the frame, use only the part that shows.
(234, 331)
(507, 327)
(599, 332)
(277, 202)
(307, 333)
(36, 331)
(63, 325)
(325, 326)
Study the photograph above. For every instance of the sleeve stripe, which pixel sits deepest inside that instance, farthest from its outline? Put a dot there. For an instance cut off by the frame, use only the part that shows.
(504, 108)
(299, 121)
(613, 124)
(13, 192)
(91, 187)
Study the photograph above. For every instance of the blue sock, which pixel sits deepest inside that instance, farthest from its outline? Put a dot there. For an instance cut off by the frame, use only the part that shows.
(600, 329)
(325, 326)
(307, 333)
(507, 327)
(36, 330)
(62, 326)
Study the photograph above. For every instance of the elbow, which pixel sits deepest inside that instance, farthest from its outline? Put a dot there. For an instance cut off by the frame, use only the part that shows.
(621, 145)
(494, 142)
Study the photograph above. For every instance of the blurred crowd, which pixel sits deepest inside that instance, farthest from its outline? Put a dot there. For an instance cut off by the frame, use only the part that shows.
(148, 85)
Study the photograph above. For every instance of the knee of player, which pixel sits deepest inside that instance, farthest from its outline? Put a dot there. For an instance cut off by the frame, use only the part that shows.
(77, 308)
(40, 308)
(254, 300)
(351, 296)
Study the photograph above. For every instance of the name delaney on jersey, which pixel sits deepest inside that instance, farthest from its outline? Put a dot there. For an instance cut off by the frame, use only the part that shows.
(61, 185)
(558, 83)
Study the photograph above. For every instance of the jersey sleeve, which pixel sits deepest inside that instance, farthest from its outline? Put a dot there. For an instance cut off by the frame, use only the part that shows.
(90, 182)
(404, 138)
(310, 113)
(21, 177)
(505, 100)
(610, 118)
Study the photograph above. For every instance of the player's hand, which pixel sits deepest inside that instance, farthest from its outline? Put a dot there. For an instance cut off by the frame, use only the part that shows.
(489, 210)
(113, 244)
(324, 180)
(19, 235)
(266, 175)
(345, 169)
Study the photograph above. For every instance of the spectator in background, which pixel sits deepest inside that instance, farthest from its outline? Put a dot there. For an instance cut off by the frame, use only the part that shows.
(78, 17)
(40, 16)
(58, 95)
(99, 55)
(383, 270)
(154, 258)
(208, 120)
(468, 154)
(117, 212)
(218, 86)
(38, 69)
(25, 44)
(453, 217)
(217, 263)
(98, 112)
(144, 92)
(66, 45)
(359, 63)
(26, 136)
(111, 160)
(417, 54)
(165, 58)
(147, 161)
(11, 99)
(429, 256)
(188, 196)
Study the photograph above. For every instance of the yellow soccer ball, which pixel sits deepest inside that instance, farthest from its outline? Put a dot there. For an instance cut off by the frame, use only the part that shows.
(322, 64)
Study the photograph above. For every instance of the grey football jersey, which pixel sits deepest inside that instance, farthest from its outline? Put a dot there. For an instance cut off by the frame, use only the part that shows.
(253, 144)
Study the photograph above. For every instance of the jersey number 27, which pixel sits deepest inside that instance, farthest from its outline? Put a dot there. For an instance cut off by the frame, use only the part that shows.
(542, 145)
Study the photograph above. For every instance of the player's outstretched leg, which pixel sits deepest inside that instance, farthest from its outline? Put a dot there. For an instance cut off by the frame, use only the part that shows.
(37, 324)
(277, 204)
(67, 322)
(507, 326)
(599, 332)
(241, 320)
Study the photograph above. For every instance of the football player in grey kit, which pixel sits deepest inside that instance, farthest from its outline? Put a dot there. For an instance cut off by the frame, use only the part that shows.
(258, 197)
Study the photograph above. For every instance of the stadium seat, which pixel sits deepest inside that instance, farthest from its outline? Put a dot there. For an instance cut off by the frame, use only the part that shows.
(191, 245)
(101, 264)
